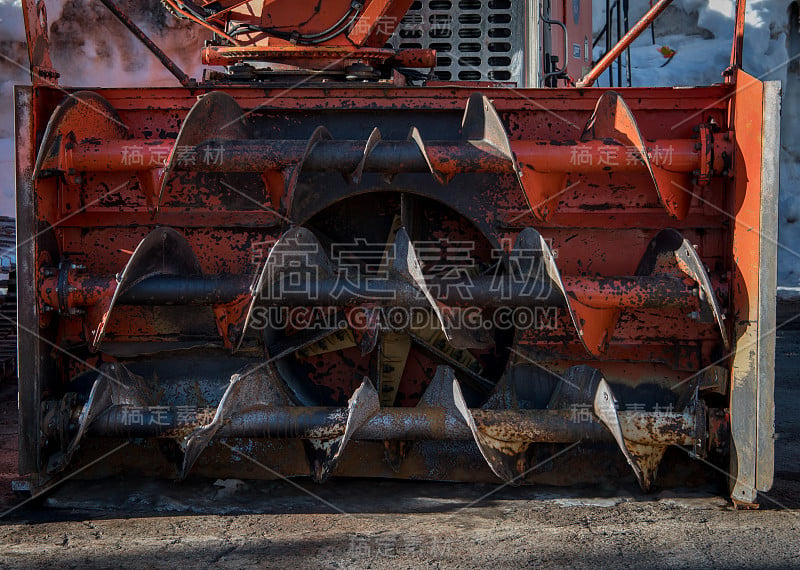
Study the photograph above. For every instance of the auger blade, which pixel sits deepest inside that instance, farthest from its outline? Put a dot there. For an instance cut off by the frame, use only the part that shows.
(282, 186)
(163, 251)
(585, 386)
(643, 459)
(87, 116)
(531, 258)
(441, 391)
(613, 119)
(296, 251)
(483, 127)
(252, 389)
(439, 174)
(214, 113)
(404, 265)
(325, 451)
(512, 455)
(354, 177)
(577, 386)
(507, 454)
(504, 396)
(438, 395)
(669, 253)
(115, 385)
(80, 116)
(541, 190)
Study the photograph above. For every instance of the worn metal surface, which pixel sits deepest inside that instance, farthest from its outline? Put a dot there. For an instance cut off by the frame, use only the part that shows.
(256, 404)
(303, 422)
(612, 119)
(36, 33)
(163, 252)
(32, 350)
(167, 223)
(754, 250)
(466, 173)
(252, 389)
(384, 156)
(638, 291)
(214, 112)
(339, 36)
(767, 283)
(541, 166)
(737, 49)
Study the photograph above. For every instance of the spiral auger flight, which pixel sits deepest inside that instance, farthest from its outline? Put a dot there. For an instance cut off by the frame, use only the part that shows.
(366, 384)
(217, 136)
(297, 271)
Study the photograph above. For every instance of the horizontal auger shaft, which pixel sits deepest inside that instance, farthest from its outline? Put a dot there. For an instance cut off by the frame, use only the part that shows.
(484, 291)
(543, 426)
(387, 156)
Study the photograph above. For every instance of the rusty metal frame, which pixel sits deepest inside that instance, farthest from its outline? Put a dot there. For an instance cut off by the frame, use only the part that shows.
(737, 48)
(755, 202)
(32, 361)
(400, 98)
(520, 168)
(35, 17)
(358, 42)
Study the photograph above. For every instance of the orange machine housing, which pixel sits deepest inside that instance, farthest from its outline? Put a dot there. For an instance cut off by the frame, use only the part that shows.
(159, 227)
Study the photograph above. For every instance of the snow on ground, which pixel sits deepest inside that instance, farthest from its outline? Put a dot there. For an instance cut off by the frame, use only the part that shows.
(90, 48)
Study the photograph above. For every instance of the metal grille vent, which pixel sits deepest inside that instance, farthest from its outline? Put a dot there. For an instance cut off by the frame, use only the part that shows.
(475, 40)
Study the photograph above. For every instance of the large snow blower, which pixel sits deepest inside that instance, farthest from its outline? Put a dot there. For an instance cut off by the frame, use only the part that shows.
(392, 239)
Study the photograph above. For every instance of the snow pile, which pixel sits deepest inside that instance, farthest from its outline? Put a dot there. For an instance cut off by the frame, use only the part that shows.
(701, 34)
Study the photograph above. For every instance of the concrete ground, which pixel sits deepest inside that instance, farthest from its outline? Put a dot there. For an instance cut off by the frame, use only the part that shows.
(380, 524)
